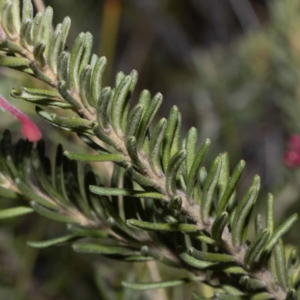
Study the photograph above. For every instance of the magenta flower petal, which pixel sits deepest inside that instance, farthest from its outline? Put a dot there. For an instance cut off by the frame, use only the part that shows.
(29, 128)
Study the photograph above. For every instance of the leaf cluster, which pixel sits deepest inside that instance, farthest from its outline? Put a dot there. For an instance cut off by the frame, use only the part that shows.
(174, 210)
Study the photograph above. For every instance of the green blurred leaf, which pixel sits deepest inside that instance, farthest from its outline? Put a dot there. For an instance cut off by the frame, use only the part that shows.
(14, 212)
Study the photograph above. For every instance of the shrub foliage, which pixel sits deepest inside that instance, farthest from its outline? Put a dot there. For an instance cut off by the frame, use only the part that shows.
(173, 210)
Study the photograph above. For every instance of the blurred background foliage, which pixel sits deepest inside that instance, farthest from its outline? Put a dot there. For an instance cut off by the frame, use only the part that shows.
(233, 69)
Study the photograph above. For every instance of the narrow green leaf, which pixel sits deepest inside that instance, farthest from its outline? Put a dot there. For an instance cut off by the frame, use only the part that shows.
(277, 234)
(206, 239)
(145, 98)
(16, 14)
(92, 157)
(270, 213)
(102, 135)
(27, 11)
(232, 202)
(8, 19)
(102, 105)
(85, 87)
(66, 24)
(34, 94)
(55, 48)
(119, 78)
(145, 286)
(139, 178)
(202, 175)
(256, 182)
(242, 211)
(14, 212)
(135, 258)
(125, 192)
(101, 249)
(230, 186)
(212, 257)
(40, 74)
(75, 60)
(132, 151)
(14, 62)
(218, 226)
(62, 88)
(182, 182)
(190, 146)
(6, 44)
(37, 28)
(169, 135)
(251, 284)
(156, 145)
(118, 102)
(231, 216)
(47, 28)
(96, 79)
(256, 247)
(258, 224)
(233, 270)
(53, 242)
(224, 175)
(87, 50)
(280, 263)
(94, 59)
(196, 263)
(26, 34)
(191, 179)
(172, 170)
(161, 226)
(51, 103)
(52, 215)
(209, 189)
(70, 123)
(63, 71)
(134, 120)
(38, 52)
(176, 138)
(134, 78)
(231, 290)
(148, 116)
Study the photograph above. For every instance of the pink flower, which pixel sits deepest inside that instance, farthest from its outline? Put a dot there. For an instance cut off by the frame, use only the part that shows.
(29, 128)
(294, 142)
(292, 156)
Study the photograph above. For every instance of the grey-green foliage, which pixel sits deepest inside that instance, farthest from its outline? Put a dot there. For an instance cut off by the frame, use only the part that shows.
(194, 218)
